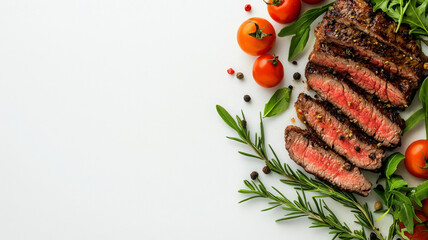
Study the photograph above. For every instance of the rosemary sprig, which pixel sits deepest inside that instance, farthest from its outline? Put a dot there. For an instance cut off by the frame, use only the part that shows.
(296, 179)
(321, 215)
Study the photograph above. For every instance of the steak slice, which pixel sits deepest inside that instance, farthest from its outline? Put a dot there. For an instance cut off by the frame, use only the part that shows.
(316, 158)
(383, 126)
(387, 86)
(359, 14)
(339, 133)
(377, 53)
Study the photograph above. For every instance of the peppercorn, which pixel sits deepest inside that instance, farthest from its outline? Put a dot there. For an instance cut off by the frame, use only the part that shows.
(347, 166)
(372, 156)
(373, 236)
(240, 75)
(357, 148)
(341, 137)
(290, 87)
(294, 62)
(254, 175)
(316, 96)
(266, 170)
(247, 7)
(247, 98)
(378, 206)
(244, 124)
(230, 71)
(297, 76)
(380, 188)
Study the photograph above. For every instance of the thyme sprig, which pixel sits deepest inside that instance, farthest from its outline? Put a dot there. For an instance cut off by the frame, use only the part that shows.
(322, 216)
(297, 179)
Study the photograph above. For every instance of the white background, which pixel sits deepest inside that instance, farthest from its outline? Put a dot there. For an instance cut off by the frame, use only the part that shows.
(108, 128)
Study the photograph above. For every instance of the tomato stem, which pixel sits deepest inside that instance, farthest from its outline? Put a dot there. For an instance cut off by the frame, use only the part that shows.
(274, 2)
(426, 162)
(274, 60)
(259, 34)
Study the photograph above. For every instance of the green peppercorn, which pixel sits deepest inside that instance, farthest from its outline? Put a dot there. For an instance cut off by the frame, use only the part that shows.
(254, 175)
(378, 206)
(240, 75)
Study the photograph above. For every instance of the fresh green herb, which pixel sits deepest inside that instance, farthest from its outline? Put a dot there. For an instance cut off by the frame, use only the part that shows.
(413, 120)
(298, 179)
(278, 102)
(421, 113)
(300, 29)
(412, 12)
(392, 164)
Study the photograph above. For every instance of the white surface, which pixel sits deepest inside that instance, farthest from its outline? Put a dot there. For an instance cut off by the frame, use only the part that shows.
(108, 128)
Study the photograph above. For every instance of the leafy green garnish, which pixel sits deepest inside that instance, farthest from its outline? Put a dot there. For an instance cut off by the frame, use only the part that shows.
(278, 102)
(421, 113)
(413, 120)
(392, 164)
(300, 29)
(420, 193)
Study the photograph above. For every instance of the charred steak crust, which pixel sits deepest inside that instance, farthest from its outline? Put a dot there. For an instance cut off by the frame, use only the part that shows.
(359, 14)
(316, 158)
(339, 133)
(383, 125)
(387, 86)
(376, 52)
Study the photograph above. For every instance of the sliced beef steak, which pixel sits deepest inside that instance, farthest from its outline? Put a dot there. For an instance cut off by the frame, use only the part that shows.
(383, 126)
(359, 14)
(376, 52)
(339, 133)
(316, 158)
(387, 86)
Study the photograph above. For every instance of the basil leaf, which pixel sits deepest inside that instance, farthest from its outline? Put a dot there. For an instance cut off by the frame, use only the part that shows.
(226, 117)
(304, 21)
(420, 193)
(413, 120)
(278, 102)
(298, 43)
(392, 163)
(396, 182)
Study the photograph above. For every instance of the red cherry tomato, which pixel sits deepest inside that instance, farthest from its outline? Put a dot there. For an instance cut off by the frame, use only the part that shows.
(268, 71)
(425, 207)
(312, 1)
(417, 158)
(256, 36)
(420, 232)
(284, 11)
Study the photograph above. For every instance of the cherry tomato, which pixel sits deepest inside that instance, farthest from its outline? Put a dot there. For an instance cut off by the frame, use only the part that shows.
(420, 232)
(284, 11)
(312, 1)
(256, 36)
(417, 158)
(425, 207)
(268, 71)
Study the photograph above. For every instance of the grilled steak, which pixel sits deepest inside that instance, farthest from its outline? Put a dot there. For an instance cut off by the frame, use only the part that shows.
(359, 14)
(339, 133)
(383, 126)
(376, 52)
(316, 158)
(387, 86)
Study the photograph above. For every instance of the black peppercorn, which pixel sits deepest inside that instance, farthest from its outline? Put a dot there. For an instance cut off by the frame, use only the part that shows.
(247, 98)
(341, 137)
(290, 87)
(380, 188)
(357, 148)
(347, 167)
(373, 236)
(297, 76)
(254, 175)
(240, 75)
(266, 170)
(244, 124)
(294, 62)
(372, 156)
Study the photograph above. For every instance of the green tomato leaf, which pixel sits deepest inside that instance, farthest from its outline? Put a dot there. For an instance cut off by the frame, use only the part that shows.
(392, 163)
(298, 43)
(420, 193)
(304, 21)
(396, 182)
(227, 118)
(413, 120)
(278, 102)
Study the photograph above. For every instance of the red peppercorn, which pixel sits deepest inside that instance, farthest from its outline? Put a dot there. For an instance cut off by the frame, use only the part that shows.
(230, 71)
(247, 7)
